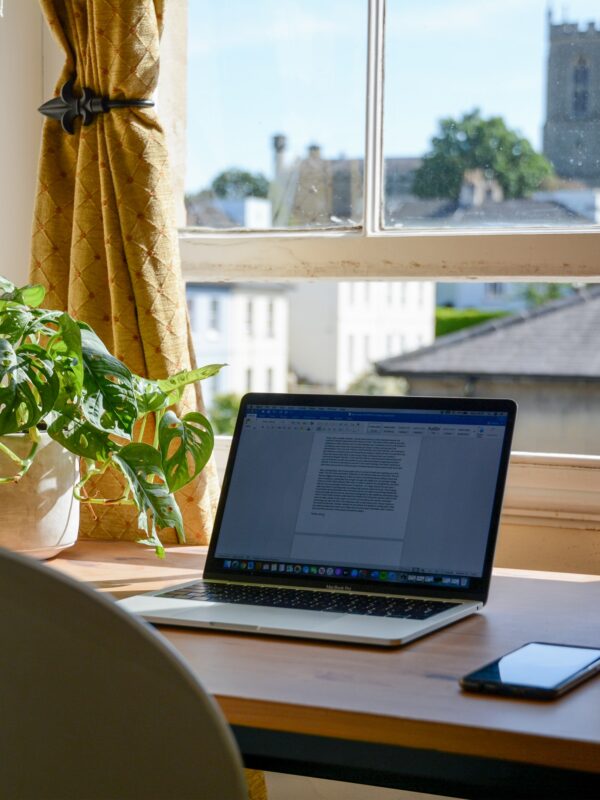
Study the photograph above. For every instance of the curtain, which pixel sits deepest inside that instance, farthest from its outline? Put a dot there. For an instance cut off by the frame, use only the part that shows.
(104, 238)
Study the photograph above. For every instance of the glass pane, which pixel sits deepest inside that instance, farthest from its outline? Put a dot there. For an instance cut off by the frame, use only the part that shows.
(275, 118)
(492, 114)
(535, 343)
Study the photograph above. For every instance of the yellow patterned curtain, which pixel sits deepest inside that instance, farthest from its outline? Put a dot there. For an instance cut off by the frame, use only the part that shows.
(104, 238)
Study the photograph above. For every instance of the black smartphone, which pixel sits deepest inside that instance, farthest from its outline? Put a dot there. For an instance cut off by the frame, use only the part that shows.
(538, 670)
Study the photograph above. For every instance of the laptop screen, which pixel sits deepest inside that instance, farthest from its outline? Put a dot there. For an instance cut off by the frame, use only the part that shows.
(404, 496)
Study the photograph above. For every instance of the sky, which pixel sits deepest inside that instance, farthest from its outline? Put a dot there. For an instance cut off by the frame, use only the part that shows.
(297, 67)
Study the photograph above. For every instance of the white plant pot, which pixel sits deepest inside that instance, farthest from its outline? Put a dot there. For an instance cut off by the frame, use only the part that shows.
(39, 515)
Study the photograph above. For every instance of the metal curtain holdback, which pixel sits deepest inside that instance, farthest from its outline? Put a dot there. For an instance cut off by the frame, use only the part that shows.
(66, 107)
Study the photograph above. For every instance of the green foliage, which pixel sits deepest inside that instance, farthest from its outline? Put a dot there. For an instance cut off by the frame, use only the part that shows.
(537, 294)
(235, 184)
(56, 374)
(449, 320)
(224, 411)
(473, 142)
(372, 384)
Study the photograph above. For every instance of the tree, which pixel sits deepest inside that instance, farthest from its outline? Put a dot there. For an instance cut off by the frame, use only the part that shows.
(235, 184)
(224, 411)
(471, 143)
(538, 294)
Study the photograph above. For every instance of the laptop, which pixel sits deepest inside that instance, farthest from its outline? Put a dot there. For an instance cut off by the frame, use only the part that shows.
(357, 519)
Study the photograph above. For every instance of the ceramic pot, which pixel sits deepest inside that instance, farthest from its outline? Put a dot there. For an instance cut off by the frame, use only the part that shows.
(39, 515)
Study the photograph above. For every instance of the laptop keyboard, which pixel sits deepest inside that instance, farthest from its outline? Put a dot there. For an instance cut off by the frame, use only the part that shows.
(340, 602)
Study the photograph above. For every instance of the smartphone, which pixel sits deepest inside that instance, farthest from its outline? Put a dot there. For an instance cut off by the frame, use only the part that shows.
(538, 670)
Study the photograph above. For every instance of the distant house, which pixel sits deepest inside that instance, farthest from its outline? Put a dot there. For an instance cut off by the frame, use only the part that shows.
(246, 327)
(547, 359)
(338, 329)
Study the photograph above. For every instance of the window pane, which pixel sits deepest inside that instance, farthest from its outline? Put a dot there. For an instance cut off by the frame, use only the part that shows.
(492, 114)
(275, 118)
(535, 343)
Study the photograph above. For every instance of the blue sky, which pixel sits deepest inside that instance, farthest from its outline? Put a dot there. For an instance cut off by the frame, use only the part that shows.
(260, 67)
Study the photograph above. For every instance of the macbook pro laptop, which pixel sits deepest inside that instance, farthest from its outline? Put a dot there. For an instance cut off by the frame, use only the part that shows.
(357, 519)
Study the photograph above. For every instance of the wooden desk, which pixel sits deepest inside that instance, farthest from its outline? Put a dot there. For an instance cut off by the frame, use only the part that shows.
(392, 717)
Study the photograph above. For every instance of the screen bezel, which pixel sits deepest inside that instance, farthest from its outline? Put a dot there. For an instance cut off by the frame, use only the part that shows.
(479, 588)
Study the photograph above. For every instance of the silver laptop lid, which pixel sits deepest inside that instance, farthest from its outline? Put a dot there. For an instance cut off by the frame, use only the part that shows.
(368, 493)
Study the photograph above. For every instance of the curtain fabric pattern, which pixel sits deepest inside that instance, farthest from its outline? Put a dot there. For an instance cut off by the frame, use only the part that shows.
(104, 238)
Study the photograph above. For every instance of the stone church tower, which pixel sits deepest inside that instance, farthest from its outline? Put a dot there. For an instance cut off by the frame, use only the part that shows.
(572, 129)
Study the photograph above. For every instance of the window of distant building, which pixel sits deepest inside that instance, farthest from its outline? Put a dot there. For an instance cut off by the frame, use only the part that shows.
(213, 314)
(249, 317)
(249, 379)
(270, 381)
(350, 352)
(271, 319)
(581, 80)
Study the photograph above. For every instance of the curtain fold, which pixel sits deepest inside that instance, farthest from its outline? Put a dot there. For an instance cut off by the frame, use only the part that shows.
(104, 238)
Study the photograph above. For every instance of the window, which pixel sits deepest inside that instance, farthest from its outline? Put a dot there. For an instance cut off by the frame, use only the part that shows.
(581, 80)
(367, 236)
(213, 315)
(270, 320)
(317, 38)
(249, 379)
(270, 382)
(249, 317)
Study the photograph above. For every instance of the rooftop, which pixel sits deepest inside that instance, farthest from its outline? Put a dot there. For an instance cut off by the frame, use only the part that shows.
(559, 340)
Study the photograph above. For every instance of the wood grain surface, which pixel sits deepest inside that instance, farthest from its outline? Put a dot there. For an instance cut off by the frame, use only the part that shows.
(406, 696)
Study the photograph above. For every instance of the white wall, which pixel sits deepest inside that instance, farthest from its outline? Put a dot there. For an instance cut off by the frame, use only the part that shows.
(263, 351)
(313, 331)
(21, 92)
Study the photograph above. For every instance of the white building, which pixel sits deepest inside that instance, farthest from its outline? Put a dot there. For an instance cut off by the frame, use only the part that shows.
(246, 327)
(338, 329)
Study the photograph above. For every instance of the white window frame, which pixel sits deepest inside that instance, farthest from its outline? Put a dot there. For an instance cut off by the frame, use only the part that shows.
(543, 489)
(372, 252)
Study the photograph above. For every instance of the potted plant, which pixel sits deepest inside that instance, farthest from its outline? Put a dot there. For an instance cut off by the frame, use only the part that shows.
(64, 400)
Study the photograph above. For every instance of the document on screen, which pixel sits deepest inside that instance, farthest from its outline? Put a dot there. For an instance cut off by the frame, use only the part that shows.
(356, 497)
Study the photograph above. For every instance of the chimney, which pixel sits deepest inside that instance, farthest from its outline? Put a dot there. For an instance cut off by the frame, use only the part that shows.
(279, 145)
(314, 151)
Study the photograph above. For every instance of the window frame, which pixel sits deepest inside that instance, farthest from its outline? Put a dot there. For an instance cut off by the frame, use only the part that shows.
(374, 252)
(544, 489)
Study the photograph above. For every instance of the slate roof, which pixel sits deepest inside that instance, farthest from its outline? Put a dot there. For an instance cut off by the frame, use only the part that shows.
(444, 213)
(560, 340)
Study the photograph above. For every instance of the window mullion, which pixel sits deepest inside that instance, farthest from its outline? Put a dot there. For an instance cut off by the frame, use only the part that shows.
(373, 164)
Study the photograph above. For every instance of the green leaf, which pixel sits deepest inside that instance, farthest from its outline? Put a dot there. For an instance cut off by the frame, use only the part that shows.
(175, 385)
(78, 436)
(28, 296)
(148, 395)
(142, 466)
(186, 445)
(65, 349)
(28, 386)
(108, 400)
(14, 321)
(6, 285)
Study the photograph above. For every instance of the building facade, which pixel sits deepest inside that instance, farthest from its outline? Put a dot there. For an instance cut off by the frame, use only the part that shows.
(572, 129)
(338, 329)
(244, 326)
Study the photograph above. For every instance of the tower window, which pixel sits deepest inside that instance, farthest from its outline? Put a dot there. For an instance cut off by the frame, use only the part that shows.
(581, 80)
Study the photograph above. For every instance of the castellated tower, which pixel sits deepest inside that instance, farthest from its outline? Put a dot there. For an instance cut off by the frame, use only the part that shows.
(572, 129)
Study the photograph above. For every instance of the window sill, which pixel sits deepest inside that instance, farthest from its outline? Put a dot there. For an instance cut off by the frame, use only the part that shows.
(553, 490)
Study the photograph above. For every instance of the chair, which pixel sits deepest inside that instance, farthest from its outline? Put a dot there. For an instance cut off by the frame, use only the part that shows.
(95, 705)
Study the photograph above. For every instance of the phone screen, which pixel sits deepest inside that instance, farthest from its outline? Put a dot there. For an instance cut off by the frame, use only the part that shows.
(537, 665)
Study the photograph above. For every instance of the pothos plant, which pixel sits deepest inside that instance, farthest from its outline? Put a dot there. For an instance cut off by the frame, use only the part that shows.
(56, 375)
